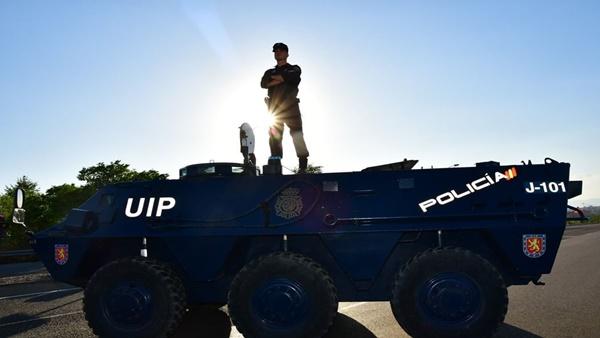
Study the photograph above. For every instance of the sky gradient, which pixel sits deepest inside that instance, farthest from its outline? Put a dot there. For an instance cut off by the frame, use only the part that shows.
(164, 84)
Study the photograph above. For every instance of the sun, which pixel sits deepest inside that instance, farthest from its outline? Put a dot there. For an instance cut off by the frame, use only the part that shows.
(265, 119)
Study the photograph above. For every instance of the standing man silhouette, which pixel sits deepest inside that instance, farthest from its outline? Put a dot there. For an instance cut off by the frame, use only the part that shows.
(281, 83)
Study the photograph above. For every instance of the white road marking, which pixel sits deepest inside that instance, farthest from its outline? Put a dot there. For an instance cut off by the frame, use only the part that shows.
(38, 293)
(41, 318)
(345, 308)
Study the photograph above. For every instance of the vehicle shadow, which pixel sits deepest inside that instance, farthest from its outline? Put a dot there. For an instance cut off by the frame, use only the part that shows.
(18, 323)
(509, 331)
(344, 326)
(215, 323)
(52, 296)
(204, 322)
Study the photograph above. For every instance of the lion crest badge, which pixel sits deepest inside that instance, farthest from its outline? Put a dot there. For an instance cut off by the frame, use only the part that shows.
(534, 245)
(289, 203)
(61, 253)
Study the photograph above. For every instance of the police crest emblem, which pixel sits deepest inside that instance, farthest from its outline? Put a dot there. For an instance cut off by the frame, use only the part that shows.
(534, 245)
(61, 253)
(289, 203)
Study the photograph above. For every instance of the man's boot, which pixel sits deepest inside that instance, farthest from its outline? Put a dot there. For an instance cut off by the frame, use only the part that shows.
(302, 165)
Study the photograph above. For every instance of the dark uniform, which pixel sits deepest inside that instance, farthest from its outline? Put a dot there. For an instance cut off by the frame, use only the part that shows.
(283, 104)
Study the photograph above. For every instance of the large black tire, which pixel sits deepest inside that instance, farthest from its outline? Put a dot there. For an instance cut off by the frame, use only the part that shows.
(449, 292)
(134, 297)
(282, 295)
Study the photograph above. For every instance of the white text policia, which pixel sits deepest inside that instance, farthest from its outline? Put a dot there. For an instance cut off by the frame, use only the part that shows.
(478, 184)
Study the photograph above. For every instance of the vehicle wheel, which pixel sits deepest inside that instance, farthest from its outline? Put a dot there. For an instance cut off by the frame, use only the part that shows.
(449, 292)
(134, 297)
(282, 295)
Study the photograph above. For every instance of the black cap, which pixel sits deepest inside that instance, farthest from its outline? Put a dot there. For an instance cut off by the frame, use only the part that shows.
(281, 46)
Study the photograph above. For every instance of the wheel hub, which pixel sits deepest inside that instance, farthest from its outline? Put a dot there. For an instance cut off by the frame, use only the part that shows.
(280, 303)
(129, 303)
(450, 299)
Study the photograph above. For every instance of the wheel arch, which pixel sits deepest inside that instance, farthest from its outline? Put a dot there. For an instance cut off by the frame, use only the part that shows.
(310, 246)
(481, 242)
(415, 243)
(99, 253)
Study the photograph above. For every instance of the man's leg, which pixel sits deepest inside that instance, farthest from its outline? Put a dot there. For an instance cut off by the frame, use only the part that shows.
(295, 124)
(302, 164)
(275, 137)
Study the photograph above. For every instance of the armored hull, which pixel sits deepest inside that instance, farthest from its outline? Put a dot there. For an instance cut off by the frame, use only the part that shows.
(361, 228)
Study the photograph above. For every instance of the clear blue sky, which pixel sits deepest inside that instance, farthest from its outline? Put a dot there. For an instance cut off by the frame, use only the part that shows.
(163, 84)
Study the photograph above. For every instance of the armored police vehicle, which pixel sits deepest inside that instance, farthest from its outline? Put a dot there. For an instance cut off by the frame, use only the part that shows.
(441, 245)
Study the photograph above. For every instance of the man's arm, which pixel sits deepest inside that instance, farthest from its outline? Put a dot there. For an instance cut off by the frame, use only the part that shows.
(275, 80)
(271, 81)
(292, 75)
(264, 82)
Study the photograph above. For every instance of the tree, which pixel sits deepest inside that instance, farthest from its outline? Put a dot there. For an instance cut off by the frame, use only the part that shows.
(103, 174)
(60, 199)
(311, 169)
(25, 183)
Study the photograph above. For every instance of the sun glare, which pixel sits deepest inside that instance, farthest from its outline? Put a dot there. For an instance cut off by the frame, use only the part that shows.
(239, 102)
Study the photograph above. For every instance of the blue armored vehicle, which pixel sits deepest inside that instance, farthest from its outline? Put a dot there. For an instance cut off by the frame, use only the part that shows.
(441, 245)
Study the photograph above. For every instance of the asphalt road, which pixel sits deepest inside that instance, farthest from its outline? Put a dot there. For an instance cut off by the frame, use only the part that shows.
(568, 306)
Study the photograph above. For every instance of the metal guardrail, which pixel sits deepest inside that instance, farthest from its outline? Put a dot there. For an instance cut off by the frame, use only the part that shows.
(16, 253)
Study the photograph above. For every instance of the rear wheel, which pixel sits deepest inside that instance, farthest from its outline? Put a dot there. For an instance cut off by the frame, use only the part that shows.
(449, 292)
(282, 295)
(134, 297)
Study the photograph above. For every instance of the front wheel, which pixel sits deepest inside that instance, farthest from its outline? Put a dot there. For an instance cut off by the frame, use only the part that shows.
(449, 292)
(134, 297)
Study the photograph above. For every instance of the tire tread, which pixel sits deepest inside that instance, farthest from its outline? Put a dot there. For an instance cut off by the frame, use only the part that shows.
(441, 253)
(296, 260)
(168, 277)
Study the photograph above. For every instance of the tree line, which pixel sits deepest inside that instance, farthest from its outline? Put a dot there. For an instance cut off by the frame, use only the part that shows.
(48, 208)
